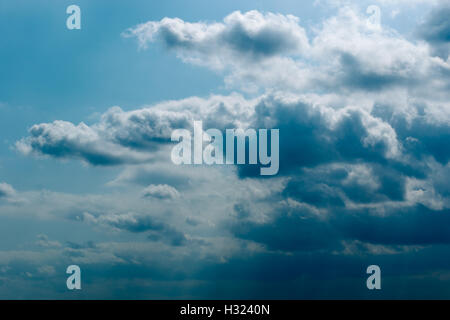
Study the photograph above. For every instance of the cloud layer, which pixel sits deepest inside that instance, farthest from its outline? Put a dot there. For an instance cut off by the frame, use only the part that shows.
(364, 119)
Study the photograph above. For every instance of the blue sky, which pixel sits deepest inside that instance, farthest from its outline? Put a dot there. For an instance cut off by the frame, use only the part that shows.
(85, 170)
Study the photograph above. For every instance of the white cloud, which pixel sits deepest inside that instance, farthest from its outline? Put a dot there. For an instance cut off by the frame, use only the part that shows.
(6, 191)
(248, 36)
(43, 241)
(132, 137)
(160, 191)
(62, 139)
(344, 52)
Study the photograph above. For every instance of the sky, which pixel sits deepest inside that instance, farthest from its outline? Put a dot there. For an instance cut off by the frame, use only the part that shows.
(86, 178)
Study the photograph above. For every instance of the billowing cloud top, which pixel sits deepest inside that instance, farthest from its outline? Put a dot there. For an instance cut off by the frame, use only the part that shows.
(249, 36)
(161, 191)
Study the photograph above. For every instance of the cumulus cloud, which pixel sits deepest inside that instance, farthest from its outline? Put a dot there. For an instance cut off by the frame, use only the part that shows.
(343, 52)
(345, 56)
(336, 155)
(6, 191)
(251, 35)
(321, 133)
(358, 57)
(62, 139)
(131, 137)
(8, 195)
(296, 225)
(251, 48)
(364, 121)
(160, 191)
(318, 133)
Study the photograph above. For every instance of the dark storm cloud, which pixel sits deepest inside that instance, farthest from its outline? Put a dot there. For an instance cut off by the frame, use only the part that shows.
(313, 135)
(313, 190)
(389, 213)
(290, 230)
(415, 225)
(424, 138)
(294, 229)
(436, 27)
(327, 187)
(302, 275)
(436, 30)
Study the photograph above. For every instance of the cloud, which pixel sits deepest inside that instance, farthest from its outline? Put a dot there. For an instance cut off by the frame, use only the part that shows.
(289, 228)
(318, 224)
(363, 115)
(316, 133)
(8, 195)
(47, 270)
(361, 57)
(132, 137)
(6, 191)
(343, 53)
(251, 48)
(321, 133)
(436, 29)
(251, 35)
(43, 241)
(345, 57)
(139, 223)
(62, 139)
(415, 225)
(160, 191)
